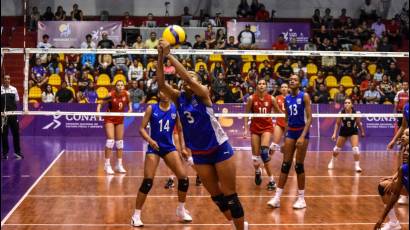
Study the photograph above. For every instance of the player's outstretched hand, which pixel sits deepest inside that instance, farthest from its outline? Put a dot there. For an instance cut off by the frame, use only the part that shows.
(165, 46)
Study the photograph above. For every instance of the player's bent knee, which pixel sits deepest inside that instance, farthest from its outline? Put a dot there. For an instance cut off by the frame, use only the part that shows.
(256, 159)
(220, 201)
(337, 149)
(235, 206)
(265, 154)
(299, 168)
(146, 185)
(109, 144)
(356, 150)
(286, 167)
(119, 144)
(183, 184)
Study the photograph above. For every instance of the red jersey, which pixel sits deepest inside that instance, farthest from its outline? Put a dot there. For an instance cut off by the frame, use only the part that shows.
(402, 97)
(280, 121)
(261, 125)
(117, 103)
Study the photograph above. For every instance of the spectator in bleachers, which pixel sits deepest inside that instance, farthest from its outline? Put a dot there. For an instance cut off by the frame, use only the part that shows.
(280, 44)
(262, 15)
(310, 46)
(378, 27)
(231, 45)
(152, 71)
(104, 64)
(60, 14)
(369, 46)
(293, 44)
(204, 76)
(83, 81)
(365, 82)
(386, 89)
(81, 99)
(120, 62)
(38, 74)
(64, 94)
(48, 96)
(150, 22)
(255, 6)
(300, 66)
(127, 21)
(372, 95)
(393, 72)
(340, 96)
(243, 9)
(304, 81)
(321, 96)
(249, 91)
(233, 73)
(356, 95)
(170, 73)
(220, 87)
(48, 15)
(220, 39)
(344, 65)
(138, 44)
(393, 32)
(186, 64)
(267, 69)
(76, 14)
(323, 33)
(185, 45)
(44, 44)
(284, 72)
(73, 58)
(368, 11)
(88, 43)
(327, 19)
(71, 74)
(199, 44)
(357, 46)
(217, 69)
(136, 71)
(246, 38)
(210, 37)
(319, 80)
(400, 99)
(88, 60)
(105, 43)
(152, 88)
(378, 76)
(151, 43)
(34, 18)
(316, 19)
(53, 66)
(186, 17)
(343, 17)
(137, 94)
(385, 45)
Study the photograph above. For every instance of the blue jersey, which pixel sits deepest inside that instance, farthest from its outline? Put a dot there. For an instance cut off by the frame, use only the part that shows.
(202, 131)
(162, 124)
(295, 107)
(406, 113)
(405, 177)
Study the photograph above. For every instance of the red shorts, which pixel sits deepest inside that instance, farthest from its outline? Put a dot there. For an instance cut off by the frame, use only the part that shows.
(281, 122)
(114, 120)
(260, 131)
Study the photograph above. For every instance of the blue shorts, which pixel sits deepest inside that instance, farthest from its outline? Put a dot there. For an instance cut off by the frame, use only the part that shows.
(221, 153)
(161, 153)
(295, 134)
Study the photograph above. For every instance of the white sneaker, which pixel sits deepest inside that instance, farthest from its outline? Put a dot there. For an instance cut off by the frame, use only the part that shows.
(274, 202)
(391, 226)
(357, 168)
(183, 215)
(108, 169)
(403, 199)
(136, 221)
(245, 225)
(300, 203)
(119, 168)
(331, 164)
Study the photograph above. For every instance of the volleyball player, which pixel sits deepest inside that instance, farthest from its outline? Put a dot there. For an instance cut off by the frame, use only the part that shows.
(299, 118)
(391, 187)
(162, 118)
(349, 129)
(261, 129)
(204, 137)
(114, 126)
(279, 128)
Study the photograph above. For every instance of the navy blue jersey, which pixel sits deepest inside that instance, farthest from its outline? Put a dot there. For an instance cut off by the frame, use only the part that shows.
(295, 107)
(202, 131)
(405, 177)
(162, 124)
(406, 113)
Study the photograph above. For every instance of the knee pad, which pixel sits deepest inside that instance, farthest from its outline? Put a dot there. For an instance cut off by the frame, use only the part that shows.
(337, 149)
(220, 201)
(183, 184)
(235, 206)
(286, 167)
(119, 144)
(356, 150)
(109, 143)
(146, 185)
(265, 154)
(299, 168)
(380, 188)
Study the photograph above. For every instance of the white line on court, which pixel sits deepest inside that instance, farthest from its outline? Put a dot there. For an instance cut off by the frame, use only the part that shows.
(31, 188)
(134, 176)
(193, 196)
(199, 225)
(246, 148)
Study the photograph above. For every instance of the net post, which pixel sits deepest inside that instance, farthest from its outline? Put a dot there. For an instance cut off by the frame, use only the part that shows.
(26, 73)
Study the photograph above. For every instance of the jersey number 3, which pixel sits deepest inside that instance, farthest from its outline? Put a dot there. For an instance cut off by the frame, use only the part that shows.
(189, 117)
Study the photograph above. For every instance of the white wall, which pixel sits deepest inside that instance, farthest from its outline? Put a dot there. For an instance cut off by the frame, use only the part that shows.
(284, 8)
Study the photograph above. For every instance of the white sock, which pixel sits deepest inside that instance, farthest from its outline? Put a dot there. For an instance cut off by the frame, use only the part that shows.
(301, 193)
(392, 216)
(258, 170)
(278, 192)
(271, 179)
(357, 164)
(137, 212)
(181, 205)
(119, 160)
(107, 161)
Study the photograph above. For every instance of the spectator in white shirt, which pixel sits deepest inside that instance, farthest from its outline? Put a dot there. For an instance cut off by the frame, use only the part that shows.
(48, 96)
(44, 45)
(135, 71)
(247, 38)
(372, 96)
(88, 43)
(378, 27)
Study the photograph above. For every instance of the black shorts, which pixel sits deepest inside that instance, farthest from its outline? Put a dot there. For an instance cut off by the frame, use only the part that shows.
(399, 121)
(348, 132)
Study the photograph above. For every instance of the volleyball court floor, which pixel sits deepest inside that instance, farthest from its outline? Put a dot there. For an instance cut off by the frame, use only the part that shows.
(61, 184)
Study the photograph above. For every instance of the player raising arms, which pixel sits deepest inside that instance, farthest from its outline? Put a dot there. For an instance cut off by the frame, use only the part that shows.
(261, 130)
(279, 128)
(349, 128)
(114, 126)
(204, 137)
(162, 118)
(299, 118)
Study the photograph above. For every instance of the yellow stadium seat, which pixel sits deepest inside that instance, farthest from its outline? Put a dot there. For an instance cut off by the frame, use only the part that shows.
(197, 65)
(311, 80)
(60, 67)
(119, 77)
(347, 81)
(34, 93)
(294, 65)
(72, 90)
(220, 102)
(32, 101)
(61, 57)
(349, 91)
(54, 89)
(215, 58)
(102, 92)
(245, 67)
(262, 58)
(54, 79)
(387, 103)
(247, 58)
(275, 69)
(331, 81)
(153, 100)
(333, 92)
(311, 68)
(372, 68)
(103, 80)
(261, 66)
(150, 65)
(91, 77)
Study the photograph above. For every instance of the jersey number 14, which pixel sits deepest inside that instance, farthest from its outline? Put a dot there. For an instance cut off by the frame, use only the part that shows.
(163, 126)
